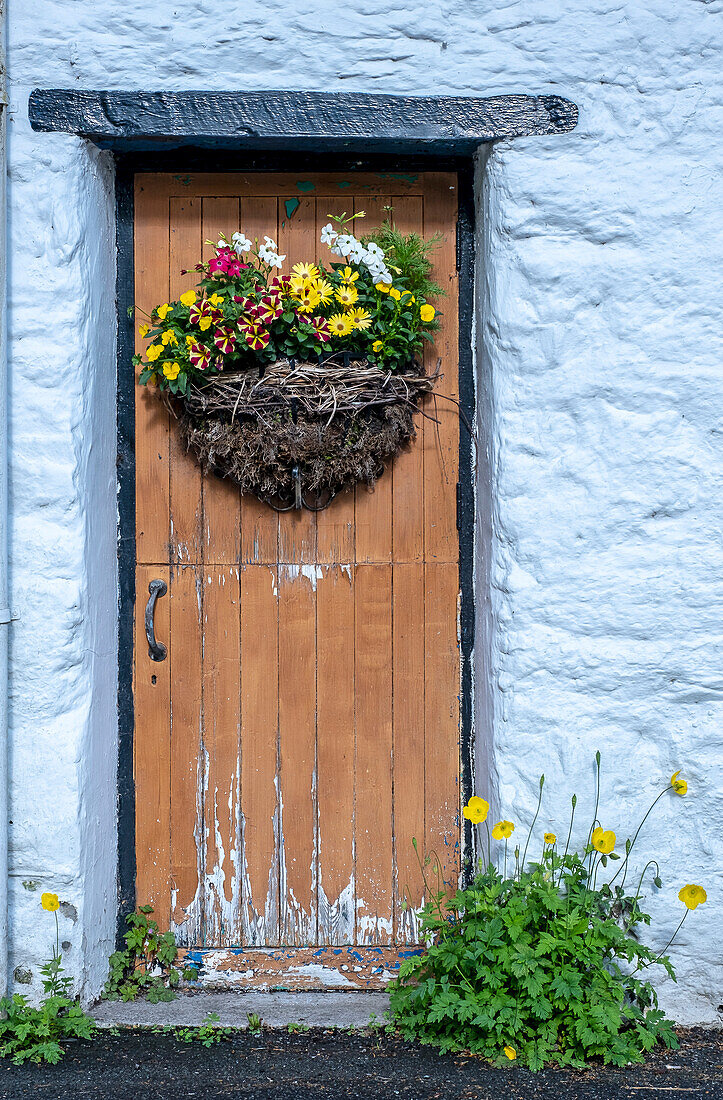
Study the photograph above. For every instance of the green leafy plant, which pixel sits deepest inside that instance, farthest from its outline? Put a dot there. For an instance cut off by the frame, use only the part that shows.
(208, 1033)
(37, 1034)
(255, 1023)
(542, 964)
(296, 1028)
(146, 965)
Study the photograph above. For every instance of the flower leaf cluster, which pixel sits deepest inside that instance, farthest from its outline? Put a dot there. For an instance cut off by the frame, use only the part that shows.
(245, 312)
(146, 965)
(36, 1034)
(542, 965)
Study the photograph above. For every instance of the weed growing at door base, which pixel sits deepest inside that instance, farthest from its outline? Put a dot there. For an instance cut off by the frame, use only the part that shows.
(541, 964)
(146, 966)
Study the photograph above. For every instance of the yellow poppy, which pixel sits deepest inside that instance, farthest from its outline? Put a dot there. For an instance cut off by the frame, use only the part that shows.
(215, 300)
(188, 298)
(161, 311)
(143, 330)
(306, 271)
(550, 838)
(171, 370)
(377, 346)
(511, 1053)
(154, 351)
(169, 337)
(427, 312)
(679, 785)
(692, 896)
(189, 340)
(49, 902)
(394, 293)
(476, 810)
(503, 830)
(603, 840)
(382, 288)
(347, 296)
(204, 323)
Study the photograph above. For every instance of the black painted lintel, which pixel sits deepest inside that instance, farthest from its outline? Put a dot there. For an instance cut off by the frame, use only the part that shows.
(337, 121)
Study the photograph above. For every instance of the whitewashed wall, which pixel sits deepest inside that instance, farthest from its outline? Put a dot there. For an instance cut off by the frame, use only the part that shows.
(599, 371)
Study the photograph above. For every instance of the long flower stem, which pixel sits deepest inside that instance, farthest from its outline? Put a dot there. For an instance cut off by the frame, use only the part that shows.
(659, 956)
(623, 865)
(532, 826)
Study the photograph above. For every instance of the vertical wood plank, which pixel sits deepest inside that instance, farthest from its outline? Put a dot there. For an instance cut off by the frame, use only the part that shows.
(409, 731)
(373, 701)
(221, 722)
(373, 508)
(259, 522)
(151, 753)
(441, 444)
(408, 467)
(441, 706)
(152, 418)
(335, 753)
(297, 742)
(259, 749)
(186, 763)
(184, 472)
(221, 497)
(297, 241)
(335, 525)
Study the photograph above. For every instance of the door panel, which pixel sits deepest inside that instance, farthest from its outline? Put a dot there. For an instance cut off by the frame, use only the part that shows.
(305, 725)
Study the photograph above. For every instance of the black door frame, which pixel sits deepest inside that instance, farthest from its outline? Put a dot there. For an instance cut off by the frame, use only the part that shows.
(190, 160)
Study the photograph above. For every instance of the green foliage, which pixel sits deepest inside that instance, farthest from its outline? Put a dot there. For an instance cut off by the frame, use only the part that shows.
(534, 964)
(255, 1023)
(146, 966)
(208, 1033)
(295, 1028)
(411, 254)
(29, 1034)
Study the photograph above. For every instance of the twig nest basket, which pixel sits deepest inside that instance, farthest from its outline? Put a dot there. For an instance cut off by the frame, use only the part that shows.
(299, 433)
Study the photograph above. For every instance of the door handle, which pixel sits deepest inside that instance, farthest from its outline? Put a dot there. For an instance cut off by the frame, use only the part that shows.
(156, 650)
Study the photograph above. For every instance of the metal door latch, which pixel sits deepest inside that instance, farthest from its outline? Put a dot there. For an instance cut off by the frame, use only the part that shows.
(156, 650)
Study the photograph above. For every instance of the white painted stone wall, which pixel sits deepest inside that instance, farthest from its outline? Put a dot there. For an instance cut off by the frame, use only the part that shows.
(599, 370)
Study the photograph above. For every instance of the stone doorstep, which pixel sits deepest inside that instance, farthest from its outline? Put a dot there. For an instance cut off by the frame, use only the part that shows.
(277, 1010)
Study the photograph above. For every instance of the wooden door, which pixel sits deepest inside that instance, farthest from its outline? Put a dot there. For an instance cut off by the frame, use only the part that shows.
(305, 724)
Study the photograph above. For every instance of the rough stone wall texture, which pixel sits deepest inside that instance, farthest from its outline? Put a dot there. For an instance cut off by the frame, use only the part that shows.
(599, 372)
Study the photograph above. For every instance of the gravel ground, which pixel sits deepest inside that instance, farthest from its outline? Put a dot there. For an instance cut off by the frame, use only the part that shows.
(141, 1065)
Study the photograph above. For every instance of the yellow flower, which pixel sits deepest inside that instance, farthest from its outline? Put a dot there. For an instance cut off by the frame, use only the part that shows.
(692, 896)
(49, 902)
(204, 323)
(171, 370)
(679, 785)
(377, 346)
(347, 296)
(503, 829)
(349, 276)
(299, 283)
(163, 310)
(394, 293)
(427, 313)
(603, 840)
(308, 298)
(382, 288)
(324, 290)
(362, 318)
(189, 340)
(188, 298)
(143, 330)
(169, 337)
(476, 810)
(154, 351)
(340, 324)
(215, 300)
(550, 838)
(511, 1053)
(306, 271)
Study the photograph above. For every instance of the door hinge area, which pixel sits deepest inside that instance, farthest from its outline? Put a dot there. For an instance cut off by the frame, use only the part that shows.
(459, 506)
(458, 246)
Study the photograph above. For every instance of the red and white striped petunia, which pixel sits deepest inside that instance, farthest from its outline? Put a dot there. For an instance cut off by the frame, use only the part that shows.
(256, 337)
(199, 355)
(321, 329)
(269, 309)
(224, 339)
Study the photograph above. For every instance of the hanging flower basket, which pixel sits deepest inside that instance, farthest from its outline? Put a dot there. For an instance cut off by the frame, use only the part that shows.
(297, 387)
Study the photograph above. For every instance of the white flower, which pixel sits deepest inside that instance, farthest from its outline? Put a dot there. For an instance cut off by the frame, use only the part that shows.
(374, 250)
(277, 261)
(357, 252)
(270, 257)
(241, 243)
(328, 234)
(222, 243)
(344, 244)
(270, 244)
(385, 277)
